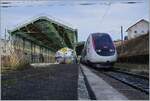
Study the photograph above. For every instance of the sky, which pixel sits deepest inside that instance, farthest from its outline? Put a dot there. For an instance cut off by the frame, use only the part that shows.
(87, 16)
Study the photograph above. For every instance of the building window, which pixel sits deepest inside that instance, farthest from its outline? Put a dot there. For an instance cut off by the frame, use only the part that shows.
(135, 31)
(142, 31)
(4, 51)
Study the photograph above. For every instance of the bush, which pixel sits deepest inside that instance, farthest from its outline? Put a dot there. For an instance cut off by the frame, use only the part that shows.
(18, 61)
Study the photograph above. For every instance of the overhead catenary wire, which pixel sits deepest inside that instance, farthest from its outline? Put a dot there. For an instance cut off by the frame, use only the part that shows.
(105, 13)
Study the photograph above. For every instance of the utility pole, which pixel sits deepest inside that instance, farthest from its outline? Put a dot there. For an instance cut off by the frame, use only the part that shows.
(5, 40)
(122, 38)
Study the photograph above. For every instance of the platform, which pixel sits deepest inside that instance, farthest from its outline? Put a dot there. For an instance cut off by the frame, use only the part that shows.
(58, 82)
(100, 89)
(54, 82)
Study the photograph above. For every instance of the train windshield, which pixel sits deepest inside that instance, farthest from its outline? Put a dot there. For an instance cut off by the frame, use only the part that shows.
(102, 41)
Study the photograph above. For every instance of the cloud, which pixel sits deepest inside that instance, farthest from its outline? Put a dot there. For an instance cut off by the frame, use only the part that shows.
(86, 18)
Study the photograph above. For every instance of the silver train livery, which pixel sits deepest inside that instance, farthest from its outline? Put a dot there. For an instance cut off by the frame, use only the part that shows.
(99, 51)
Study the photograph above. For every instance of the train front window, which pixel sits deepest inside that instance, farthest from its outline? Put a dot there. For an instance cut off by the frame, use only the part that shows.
(102, 40)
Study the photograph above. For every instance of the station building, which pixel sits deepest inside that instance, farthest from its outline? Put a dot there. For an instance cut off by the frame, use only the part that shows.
(38, 40)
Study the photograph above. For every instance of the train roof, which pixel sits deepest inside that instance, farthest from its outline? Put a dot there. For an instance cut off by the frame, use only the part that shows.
(99, 33)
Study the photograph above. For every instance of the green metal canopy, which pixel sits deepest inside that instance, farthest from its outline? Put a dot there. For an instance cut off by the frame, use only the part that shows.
(47, 33)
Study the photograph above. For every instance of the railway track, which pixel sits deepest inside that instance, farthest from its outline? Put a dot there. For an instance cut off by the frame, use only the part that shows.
(136, 81)
(129, 73)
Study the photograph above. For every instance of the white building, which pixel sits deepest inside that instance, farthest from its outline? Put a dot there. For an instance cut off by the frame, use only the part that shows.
(139, 28)
(4, 47)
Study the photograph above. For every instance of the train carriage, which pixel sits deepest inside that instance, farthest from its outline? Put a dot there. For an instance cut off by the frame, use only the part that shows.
(99, 51)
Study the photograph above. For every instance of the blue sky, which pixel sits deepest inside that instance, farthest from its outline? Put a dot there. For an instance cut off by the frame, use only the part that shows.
(87, 16)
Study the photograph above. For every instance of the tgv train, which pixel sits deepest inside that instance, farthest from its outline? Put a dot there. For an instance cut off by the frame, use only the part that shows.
(99, 51)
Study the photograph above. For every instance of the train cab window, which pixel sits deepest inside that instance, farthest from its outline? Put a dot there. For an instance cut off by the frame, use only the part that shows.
(101, 40)
(103, 44)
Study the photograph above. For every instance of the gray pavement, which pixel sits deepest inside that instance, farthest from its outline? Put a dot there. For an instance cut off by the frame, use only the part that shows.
(57, 82)
(54, 82)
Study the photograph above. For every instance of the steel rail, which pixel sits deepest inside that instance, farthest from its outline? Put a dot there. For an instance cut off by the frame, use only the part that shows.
(130, 79)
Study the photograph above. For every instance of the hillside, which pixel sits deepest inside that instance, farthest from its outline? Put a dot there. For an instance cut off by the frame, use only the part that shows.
(133, 47)
(135, 50)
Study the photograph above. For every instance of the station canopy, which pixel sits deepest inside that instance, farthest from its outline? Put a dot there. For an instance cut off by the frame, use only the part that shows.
(47, 33)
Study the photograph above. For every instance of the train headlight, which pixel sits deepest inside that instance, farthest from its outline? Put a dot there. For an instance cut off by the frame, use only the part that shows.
(111, 50)
(99, 50)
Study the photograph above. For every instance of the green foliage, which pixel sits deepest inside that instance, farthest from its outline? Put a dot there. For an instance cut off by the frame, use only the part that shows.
(18, 61)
